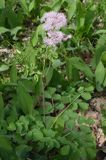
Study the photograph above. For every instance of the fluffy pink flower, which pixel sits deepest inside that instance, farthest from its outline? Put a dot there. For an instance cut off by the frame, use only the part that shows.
(55, 37)
(53, 20)
(47, 15)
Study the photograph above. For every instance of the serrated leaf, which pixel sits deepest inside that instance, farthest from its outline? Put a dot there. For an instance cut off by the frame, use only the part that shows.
(65, 150)
(37, 135)
(86, 96)
(83, 105)
(59, 106)
(89, 88)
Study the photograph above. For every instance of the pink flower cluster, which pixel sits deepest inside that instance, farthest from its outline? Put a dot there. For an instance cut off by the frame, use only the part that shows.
(52, 23)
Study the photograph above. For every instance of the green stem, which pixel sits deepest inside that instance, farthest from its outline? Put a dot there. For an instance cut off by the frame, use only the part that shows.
(64, 110)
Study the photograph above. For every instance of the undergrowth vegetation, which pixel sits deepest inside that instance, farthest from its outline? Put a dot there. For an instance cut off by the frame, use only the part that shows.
(45, 89)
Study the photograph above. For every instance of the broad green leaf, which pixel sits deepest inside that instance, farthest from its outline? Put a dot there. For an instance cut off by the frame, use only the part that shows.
(14, 31)
(1, 107)
(5, 144)
(3, 68)
(24, 6)
(100, 49)
(11, 126)
(80, 65)
(83, 105)
(47, 95)
(103, 58)
(89, 18)
(2, 4)
(22, 150)
(72, 72)
(71, 8)
(3, 30)
(48, 74)
(65, 150)
(31, 5)
(59, 106)
(104, 83)
(86, 96)
(24, 99)
(56, 5)
(48, 108)
(39, 32)
(80, 15)
(57, 63)
(102, 31)
(37, 135)
(89, 88)
(13, 74)
(100, 73)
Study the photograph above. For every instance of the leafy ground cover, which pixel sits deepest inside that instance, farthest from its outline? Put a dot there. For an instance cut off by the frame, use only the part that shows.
(52, 80)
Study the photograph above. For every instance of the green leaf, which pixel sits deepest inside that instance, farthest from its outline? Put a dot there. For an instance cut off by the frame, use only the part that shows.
(5, 144)
(48, 75)
(101, 31)
(24, 99)
(100, 73)
(12, 126)
(59, 106)
(14, 31)
(37, 135)
(2, 4)
(3, 30)
(57, 63)
(31, 5)
(65, 150)
(89, 89)
(103, 57)
(3, 68)
(100, 49)
(13, 74)
(22, 150)
(1, 107)
(48, 108)
(86, 96)
(89, 18)
(72, 72)
(24, 6)
(80, 65)
(39, 32)
(104, 83)
(80, 16)
(83, 105)
(57, 97)
(71, 8)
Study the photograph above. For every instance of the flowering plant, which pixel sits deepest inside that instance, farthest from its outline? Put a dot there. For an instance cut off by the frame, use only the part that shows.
(52, 23)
